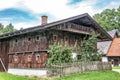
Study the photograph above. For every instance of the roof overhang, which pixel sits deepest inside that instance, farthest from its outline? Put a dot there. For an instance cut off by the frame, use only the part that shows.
(83, 19)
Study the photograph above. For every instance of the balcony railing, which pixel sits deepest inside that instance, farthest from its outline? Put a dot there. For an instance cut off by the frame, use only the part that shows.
(75, 28)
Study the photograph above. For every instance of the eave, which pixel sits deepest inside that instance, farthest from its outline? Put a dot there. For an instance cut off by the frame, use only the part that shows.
(77, 19)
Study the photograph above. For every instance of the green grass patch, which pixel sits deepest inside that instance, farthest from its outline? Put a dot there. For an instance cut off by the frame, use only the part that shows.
(96, 75)
(7, 76)
(117, 67)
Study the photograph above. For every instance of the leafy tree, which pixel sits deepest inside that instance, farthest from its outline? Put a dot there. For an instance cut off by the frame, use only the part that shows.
(88, 51)
(109, 19)
(1, 28)
(59, 54)
(9, 28)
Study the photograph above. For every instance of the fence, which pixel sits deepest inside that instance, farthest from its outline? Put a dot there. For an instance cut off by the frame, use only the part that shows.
(76, 67)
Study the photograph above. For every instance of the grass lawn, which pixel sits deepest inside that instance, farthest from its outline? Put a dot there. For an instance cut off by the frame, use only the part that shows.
(117, 67)
(6, 76)
(95, 75)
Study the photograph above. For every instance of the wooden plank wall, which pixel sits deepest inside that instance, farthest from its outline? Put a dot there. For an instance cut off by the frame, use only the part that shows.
(25, 45)
(28, 60)
(24, 49)
(21, 49)
(4, 49)
(28, 51)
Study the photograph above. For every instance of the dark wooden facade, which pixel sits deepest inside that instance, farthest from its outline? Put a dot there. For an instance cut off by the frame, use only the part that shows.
(4, 49)
(28, 48)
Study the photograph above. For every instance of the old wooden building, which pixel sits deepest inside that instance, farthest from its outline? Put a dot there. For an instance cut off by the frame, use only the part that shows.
(27, 48)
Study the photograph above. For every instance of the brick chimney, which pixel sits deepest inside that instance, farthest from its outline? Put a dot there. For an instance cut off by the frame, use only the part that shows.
(44, 20)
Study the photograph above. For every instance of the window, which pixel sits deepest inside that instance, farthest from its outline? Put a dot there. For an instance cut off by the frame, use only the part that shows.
(54, 37)
(29, 58)
(37, 57)
(15, 58)
(66, 38)
(15, 43)
(37, 38)
(16, 40)
(65, 25)
(78, 57)
(29, 39)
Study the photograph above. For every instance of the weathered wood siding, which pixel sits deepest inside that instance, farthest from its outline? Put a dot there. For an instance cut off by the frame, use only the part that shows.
(30, 50)
(28, 60)
(28, 44)
(33, 54)
(65, 38)
(4, 48)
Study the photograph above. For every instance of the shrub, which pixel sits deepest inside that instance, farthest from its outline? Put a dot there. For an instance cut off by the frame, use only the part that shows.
(59, 54)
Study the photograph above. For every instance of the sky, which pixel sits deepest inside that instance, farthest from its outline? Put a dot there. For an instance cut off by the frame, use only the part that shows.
(27, 13)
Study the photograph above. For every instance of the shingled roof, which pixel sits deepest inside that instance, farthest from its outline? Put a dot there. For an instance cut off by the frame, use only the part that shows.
(114, 49)
(105, 45)
(85, 19)
(113, 32)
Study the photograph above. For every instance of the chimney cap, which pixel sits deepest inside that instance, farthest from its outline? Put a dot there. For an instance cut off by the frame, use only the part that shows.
(44, 16)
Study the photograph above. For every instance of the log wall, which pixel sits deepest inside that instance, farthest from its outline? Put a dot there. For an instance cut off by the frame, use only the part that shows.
(30, 50)
(4, 49)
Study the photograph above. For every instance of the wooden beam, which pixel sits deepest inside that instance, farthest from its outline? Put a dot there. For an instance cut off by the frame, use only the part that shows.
(75, 31)
(26, 52)
(71, 27)
(3, 65)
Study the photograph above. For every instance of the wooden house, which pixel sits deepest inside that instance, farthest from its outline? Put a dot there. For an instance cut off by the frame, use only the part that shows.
(27, 48)
(111, 49)
(113, 53)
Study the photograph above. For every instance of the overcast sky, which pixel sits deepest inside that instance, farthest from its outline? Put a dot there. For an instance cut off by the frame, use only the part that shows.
(27, 13)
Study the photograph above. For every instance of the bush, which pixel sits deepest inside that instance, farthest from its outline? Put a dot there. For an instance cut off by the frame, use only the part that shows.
(59, 54)
(88, 50)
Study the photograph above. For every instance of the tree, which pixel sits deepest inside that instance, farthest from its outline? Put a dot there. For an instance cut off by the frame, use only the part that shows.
(88, 51)
(109, 19)
(59, 54)
(1, 28)
(9, 28)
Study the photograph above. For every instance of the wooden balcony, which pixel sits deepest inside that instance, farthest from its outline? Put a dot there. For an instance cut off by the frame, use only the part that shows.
(74, 28)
